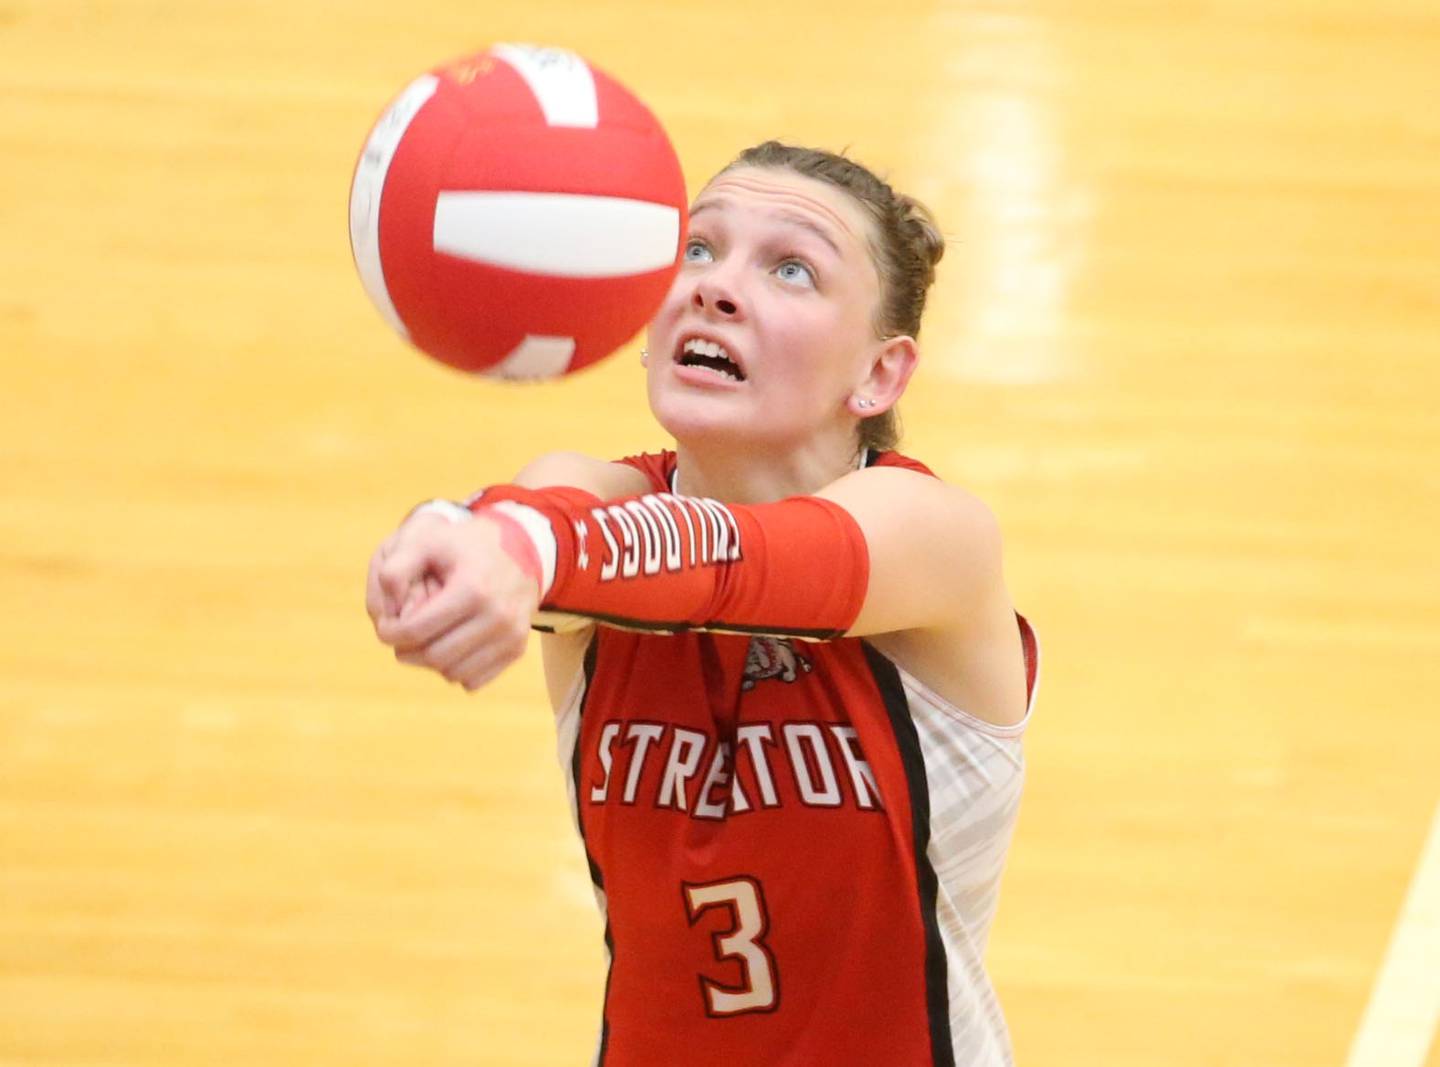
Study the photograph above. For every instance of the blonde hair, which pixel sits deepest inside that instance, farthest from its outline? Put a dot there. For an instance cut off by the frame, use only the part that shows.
(907, 246)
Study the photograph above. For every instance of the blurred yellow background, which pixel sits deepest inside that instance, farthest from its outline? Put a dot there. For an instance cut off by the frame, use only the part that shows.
(1184, 341)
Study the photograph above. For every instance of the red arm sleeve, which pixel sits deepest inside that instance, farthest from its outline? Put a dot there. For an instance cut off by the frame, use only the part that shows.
(797, 567)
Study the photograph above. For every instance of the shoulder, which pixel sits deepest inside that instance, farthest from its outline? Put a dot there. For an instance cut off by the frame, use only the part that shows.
(933, 548)
(910, 478)
(910, 493)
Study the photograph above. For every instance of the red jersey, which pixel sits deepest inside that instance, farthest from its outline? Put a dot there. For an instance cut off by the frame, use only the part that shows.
(796, 846)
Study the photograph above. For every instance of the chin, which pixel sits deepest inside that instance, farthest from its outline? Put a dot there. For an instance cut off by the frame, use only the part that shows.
(694, 419)
(735, 420)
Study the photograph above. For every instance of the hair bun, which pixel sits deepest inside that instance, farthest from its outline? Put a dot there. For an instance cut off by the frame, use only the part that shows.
(925, 238)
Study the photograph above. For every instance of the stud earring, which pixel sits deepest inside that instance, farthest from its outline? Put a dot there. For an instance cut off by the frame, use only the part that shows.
(865, 403)
(644, 357)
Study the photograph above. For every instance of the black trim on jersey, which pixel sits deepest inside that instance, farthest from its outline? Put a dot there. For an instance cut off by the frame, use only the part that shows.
(649, 626)
(907, 741)
(591, 653)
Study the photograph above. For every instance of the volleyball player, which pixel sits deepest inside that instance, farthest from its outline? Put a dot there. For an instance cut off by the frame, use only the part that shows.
(789, 682)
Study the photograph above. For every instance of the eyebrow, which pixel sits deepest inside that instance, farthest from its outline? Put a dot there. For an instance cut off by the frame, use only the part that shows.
(785, 216)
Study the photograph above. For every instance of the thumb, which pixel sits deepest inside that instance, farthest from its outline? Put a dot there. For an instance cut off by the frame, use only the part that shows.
(423, 553)
(419, 593)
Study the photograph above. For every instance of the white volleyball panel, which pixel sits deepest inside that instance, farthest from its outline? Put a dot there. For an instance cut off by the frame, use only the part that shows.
(563, 234)
(537, 356)
(561, 81)
(369, 183)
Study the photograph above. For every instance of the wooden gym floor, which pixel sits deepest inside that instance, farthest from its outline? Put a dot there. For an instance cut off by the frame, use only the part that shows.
(1185, 342)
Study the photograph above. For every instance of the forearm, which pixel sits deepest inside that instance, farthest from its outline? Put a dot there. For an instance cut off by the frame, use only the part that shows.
(661, 562)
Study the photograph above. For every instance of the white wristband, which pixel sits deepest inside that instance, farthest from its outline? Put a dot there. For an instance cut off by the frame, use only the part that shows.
(447, 508)
(537, 529)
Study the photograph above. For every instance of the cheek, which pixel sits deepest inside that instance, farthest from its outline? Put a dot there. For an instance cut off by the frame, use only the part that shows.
(814, 347)
(670, 309)
(676, 297)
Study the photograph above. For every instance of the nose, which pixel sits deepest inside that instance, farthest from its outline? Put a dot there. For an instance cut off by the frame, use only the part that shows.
(715, 292)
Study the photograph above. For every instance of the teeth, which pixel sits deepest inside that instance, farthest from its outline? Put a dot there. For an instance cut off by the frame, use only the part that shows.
(701, 349)
(706, 348)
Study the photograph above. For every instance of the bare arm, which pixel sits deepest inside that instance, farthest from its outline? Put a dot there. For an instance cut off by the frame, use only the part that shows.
(934, 550)
(894, 555)
(936, 601)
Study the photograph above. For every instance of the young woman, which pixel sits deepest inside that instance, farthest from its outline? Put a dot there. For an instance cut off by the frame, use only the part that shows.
(789, 683)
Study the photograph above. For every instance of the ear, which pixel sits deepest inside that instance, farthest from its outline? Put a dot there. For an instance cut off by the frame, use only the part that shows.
(892, 362)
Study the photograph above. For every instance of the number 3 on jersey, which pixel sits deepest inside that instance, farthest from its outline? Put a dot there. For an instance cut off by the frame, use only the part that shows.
(759, 989)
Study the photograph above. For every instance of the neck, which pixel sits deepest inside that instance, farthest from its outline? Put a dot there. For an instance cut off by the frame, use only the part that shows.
(759, 475)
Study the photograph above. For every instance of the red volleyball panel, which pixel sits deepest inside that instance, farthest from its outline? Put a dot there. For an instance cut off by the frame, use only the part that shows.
(489, 311)
(492, 89)
(488, 90)
(619, 107)
(636, 165)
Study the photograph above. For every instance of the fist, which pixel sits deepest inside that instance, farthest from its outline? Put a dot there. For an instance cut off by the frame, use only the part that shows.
(446, 596)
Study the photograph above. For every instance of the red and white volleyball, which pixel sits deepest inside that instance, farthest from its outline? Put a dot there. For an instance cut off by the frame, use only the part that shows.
(517, 213)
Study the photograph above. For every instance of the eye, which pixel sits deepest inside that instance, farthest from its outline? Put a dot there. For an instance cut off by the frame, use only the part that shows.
(796, 272)
(697, 251)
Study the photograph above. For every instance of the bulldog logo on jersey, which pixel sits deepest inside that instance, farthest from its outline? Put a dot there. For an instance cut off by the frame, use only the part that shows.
(773, 657)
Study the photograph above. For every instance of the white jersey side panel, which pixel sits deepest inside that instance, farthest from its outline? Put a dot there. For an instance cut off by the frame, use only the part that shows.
(974, 771)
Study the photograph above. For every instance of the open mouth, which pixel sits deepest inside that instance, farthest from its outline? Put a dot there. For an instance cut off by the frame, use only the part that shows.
(711, 355)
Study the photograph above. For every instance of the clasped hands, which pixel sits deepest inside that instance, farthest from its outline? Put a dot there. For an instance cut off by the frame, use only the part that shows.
(446, 596)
